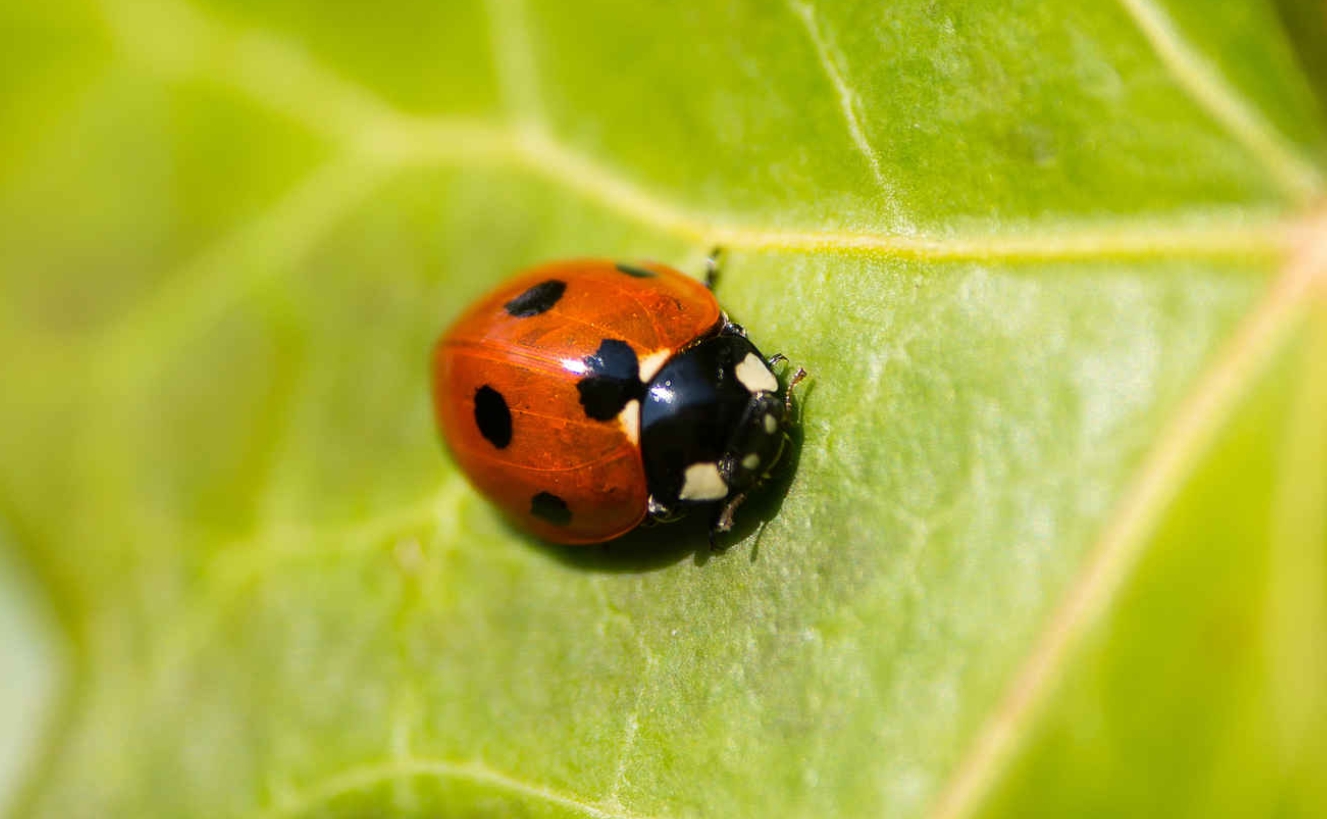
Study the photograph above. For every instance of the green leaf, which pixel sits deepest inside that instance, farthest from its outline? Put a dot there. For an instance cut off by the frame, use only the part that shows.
(1054, 540)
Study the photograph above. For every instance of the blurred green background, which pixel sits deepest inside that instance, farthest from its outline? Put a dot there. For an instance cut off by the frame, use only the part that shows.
(1056, 540)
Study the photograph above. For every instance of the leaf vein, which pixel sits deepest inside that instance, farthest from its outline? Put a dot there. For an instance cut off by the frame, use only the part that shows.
(1122, 544)
(398, 139)
(1205, 85)
(270, 243)
(358, 779)
(848, 100)
(513, 58)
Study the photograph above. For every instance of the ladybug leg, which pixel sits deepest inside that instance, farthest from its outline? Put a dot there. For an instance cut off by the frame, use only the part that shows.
(731, 329)
(712, 262)
(658, 513)
(723, 522)
(798, 377)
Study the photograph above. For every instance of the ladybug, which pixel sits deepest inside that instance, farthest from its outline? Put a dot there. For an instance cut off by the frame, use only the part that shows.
(586, 397)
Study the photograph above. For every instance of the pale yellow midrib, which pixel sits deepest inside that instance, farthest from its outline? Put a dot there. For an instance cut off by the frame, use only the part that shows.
(176, 40)
(368, 128)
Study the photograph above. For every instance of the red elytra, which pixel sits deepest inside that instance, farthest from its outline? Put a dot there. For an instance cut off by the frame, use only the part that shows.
(507, 390)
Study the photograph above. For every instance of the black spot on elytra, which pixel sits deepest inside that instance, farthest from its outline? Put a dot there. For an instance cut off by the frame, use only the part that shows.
(613, 380)
(537, 299)
(549, 507)
(492, 416)
(635, 272)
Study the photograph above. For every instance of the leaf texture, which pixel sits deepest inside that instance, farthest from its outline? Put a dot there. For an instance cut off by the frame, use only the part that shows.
(1054, 541)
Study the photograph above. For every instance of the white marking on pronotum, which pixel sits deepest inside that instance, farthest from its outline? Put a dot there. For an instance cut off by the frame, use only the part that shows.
(703, 483)
(750, 462)
(755, 375)
(771, 423)
(652, 363)
(629, 420)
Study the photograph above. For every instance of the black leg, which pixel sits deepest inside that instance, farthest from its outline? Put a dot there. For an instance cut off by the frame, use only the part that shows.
(730, 329)
(658, 513)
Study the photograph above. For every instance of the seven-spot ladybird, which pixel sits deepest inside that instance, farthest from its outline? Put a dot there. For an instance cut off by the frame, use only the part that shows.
(584, 397)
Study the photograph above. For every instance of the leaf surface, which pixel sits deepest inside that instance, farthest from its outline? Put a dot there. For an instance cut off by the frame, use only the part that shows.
(1057, 274)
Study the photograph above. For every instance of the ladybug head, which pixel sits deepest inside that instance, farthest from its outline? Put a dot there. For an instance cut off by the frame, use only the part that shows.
(714, 425)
